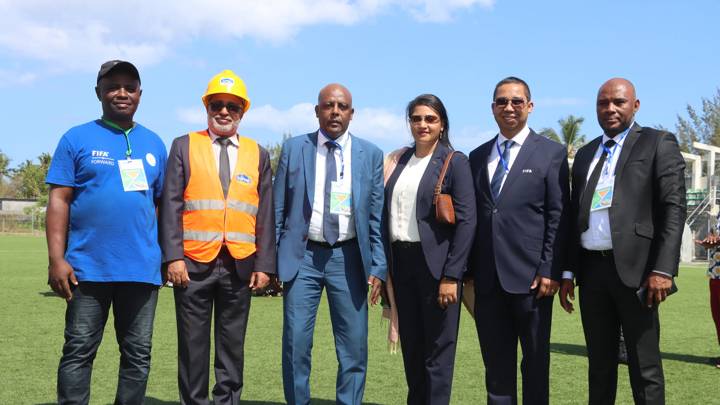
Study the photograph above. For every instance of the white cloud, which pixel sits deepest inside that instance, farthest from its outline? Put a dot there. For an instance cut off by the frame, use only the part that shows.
(376, 124)
(9, 78)
(78, 35)
(194, 116)
(440, 10)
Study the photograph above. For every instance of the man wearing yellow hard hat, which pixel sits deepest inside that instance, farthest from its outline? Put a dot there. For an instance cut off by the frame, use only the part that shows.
(218, 239)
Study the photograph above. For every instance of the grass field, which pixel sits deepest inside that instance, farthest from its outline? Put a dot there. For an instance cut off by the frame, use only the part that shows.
(31, 335)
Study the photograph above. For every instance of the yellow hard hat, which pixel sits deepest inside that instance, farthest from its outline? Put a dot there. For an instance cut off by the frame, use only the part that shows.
(227, 82)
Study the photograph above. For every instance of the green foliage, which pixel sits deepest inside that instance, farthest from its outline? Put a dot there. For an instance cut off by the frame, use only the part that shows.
(31, 330)
(275, 149)
(700, 126)
(27, 180)
(569, 134)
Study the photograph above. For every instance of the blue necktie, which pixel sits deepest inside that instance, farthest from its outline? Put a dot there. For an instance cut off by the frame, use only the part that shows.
(331, 227)
(499, 174)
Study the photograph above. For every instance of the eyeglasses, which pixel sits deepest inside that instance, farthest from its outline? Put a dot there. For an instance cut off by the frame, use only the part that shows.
(217, 106)
(516, 102)
(429, 119)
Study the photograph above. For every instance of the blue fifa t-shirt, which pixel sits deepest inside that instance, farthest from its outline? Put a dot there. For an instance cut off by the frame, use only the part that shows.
(112, 233)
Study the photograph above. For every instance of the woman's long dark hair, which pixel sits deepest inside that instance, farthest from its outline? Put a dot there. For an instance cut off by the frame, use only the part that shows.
(432, 101)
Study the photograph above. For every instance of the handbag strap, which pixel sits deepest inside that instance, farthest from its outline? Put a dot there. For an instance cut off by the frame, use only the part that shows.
(441, 179)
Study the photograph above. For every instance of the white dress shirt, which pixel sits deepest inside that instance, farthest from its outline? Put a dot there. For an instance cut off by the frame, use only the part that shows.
(494, 158)
(232, 150)
(598, 236)
(403, 206)
(345, 222)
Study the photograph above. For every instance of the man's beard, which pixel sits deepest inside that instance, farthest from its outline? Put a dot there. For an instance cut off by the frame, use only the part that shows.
(226, 129)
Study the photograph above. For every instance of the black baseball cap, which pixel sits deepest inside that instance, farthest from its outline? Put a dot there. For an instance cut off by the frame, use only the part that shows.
(117, 66)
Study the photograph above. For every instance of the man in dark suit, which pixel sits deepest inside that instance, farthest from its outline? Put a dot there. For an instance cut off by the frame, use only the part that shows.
(521, 185)
(218, 239)
(328, 194)
(627, 216)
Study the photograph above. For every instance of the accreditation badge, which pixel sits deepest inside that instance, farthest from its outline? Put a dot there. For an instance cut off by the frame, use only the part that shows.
(132, 173)
(603, 195)
(340, 198)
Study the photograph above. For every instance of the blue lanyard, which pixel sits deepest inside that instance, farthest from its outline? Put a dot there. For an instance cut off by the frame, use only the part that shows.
(503, 162)
(342, 156)
(611, 151)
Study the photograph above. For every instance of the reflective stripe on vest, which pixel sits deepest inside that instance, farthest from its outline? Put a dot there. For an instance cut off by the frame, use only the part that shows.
(204, 236)
(197, 205)
(209, 219)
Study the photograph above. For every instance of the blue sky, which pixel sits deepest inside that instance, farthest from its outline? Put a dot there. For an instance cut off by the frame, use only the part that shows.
(385, 52)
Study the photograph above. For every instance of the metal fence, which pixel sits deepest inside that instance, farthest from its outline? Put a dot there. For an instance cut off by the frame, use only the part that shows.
(13, 222)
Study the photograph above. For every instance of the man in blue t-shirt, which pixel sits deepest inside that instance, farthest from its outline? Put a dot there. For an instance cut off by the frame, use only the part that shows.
(105, 181)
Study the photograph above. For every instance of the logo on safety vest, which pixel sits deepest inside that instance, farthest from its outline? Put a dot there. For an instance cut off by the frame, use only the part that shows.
(243, 179)
(227, 82)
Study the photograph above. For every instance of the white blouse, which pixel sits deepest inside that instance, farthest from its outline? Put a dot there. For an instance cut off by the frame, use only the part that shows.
(403, 206)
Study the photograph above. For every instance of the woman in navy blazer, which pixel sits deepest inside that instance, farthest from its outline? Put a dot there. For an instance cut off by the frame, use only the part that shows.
(428, 258)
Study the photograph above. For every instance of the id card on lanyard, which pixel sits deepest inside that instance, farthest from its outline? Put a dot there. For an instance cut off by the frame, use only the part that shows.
(132, 171)
(340, 190)
(603, 196)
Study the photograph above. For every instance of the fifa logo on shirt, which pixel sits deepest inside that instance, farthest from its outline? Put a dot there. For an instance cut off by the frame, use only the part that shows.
(101, 157)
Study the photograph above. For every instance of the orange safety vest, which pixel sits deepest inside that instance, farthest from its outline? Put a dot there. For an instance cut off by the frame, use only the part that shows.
(211, 220)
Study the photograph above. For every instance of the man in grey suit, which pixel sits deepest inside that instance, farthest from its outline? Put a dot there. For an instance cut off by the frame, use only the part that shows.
(328, 195)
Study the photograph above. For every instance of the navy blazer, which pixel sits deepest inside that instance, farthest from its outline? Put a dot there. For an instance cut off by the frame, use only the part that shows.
(293, 193)
(446, 247)
(522, 234)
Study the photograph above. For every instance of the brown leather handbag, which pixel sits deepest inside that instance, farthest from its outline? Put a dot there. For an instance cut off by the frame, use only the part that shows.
(444, 210)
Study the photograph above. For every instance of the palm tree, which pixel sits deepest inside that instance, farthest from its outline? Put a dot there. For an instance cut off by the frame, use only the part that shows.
(570, 131)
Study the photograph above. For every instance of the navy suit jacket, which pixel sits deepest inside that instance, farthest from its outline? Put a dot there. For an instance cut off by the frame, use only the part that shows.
(293, 193)
(445, 247)
(522, 234)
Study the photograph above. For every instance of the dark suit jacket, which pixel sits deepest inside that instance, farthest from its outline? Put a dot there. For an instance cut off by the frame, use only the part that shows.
(446, 247)
(177, 176)
(522, 234)
(294, 189)
(648, 208)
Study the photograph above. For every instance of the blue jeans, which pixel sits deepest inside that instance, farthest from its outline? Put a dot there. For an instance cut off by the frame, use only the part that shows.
(134, 312)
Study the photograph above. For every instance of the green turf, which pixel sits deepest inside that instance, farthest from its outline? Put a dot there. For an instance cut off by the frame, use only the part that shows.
(31, 328)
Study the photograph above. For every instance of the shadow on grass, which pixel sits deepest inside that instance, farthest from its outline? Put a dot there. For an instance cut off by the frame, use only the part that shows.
(579, 350)
(314, 401)
(48, 294)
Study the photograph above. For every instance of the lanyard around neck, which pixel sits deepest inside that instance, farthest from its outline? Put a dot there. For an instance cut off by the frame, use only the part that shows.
(332, 155)
(126, 133)
(611, 151)
(505, 164)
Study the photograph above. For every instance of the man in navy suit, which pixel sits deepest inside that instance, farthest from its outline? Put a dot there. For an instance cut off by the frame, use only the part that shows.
(522, 185)
(329, 198)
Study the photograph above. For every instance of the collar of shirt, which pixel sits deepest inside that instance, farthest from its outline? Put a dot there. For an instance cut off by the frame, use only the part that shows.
(233, 138)
(519, 139)
(341, 140)
(619, 138)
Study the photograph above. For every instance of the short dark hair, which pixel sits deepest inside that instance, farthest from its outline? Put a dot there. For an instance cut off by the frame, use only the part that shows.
(512, 80)
(432, 101)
